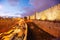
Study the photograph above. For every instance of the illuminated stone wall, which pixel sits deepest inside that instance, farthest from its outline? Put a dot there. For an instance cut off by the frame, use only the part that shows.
(37, 15)
(52, 13)
(32, 17)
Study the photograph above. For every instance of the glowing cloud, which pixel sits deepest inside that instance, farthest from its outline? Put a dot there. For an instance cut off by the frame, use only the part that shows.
(1, 7)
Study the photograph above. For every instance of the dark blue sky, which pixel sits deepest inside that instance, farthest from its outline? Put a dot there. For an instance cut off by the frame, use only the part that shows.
(24, 7)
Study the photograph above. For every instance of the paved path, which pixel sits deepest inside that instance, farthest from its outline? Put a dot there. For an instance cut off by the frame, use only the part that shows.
(36, 33)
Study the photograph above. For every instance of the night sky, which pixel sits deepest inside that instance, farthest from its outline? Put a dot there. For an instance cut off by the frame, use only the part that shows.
(21, 8)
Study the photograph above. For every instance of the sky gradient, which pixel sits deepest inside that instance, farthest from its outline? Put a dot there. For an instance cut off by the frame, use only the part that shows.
(23, 8)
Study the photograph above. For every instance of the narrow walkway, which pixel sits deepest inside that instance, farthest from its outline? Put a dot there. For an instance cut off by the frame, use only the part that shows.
(35, 33)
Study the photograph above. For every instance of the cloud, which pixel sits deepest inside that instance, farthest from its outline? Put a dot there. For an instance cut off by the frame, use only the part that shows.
(31, 7)
(13, 2)
(28, 10)
(38, 6)
(41, 5)
(1, 6)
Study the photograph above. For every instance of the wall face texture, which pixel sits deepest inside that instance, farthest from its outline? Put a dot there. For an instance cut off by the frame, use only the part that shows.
(52, 13)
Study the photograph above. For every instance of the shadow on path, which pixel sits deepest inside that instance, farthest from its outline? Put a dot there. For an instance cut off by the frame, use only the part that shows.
(36, 33)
